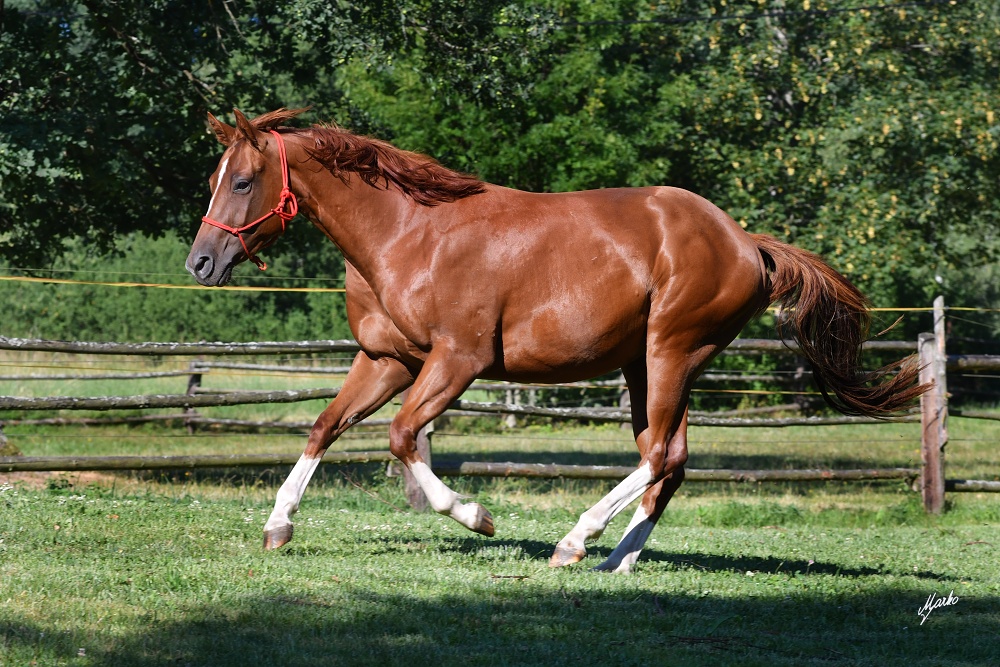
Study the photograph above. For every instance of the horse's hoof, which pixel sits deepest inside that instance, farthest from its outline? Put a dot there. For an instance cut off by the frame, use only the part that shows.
(277, 537)
(566, 555)
(484, 522)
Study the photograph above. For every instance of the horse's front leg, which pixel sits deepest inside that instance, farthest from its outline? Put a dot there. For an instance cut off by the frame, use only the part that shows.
(445, 375)
(371, 383)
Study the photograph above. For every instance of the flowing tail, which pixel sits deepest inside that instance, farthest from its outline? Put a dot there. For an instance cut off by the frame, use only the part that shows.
(829, 319)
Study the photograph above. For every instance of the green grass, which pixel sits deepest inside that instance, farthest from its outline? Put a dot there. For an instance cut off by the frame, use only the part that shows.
(166, 569)
(148, 574)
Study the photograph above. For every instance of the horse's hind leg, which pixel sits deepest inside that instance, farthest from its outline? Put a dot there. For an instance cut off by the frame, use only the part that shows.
(654, 501)
(662, 453)
(369, 385)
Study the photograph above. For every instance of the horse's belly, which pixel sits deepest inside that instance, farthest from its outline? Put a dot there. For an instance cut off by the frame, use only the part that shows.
(573, 341)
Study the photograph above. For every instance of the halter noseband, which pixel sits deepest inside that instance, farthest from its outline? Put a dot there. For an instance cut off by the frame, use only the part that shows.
(285, 200)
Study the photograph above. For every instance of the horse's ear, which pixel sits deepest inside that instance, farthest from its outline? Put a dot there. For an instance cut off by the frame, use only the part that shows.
(224, 133)
(248, 131)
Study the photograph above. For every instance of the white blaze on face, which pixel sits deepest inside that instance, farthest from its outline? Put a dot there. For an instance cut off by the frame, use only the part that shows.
(218, 184)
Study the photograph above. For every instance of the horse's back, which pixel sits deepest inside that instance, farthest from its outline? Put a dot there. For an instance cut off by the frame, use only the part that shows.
(579, 275)
(672, 240)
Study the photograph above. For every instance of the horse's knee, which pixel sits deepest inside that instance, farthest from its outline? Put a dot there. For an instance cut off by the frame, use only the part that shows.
(664, 460)
(669, 464)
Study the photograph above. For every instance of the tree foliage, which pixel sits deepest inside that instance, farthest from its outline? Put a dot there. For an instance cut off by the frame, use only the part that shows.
(867, 135)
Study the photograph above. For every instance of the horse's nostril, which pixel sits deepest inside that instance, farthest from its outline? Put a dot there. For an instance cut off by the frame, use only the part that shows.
(203, 266)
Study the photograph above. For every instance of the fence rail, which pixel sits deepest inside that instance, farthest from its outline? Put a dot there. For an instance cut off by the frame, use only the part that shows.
(332, 346)
(95, 376)
(180, 349)
(553, 470)
(933, 413)
(199, 400)
(87, 463)
(157, 401)
(441, 468)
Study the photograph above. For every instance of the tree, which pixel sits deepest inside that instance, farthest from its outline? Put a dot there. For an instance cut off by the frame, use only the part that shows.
(102, 132)
(867, 135)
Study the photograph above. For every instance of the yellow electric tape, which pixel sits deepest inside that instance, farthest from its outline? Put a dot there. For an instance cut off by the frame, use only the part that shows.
(238, 288)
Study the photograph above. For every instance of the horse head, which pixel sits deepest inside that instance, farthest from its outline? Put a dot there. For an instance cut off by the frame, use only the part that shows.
(242, 218)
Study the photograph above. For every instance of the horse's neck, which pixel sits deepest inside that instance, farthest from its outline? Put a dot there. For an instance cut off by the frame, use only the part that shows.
(360, 219)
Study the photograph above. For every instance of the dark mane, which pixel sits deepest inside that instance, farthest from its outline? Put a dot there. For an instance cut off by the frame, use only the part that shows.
(272, 120)
(380, 164)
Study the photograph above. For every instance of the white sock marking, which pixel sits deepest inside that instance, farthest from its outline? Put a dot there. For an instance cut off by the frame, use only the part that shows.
(593, 522)
(441, 498)
(290, 494)
(627, 552)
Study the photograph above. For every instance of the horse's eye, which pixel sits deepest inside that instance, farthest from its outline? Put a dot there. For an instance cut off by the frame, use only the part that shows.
(242, 186)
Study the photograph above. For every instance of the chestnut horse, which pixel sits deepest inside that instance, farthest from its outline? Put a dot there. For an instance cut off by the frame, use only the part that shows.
(450, 279)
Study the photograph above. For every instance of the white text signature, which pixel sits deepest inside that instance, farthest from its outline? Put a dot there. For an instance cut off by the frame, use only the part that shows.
(934, 602)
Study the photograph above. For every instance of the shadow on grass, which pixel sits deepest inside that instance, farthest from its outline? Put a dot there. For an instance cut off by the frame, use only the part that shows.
(539, 551)
(513, 622)
(801, 568)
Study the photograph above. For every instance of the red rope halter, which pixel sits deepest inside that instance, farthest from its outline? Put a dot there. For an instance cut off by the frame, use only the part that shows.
(285, 200)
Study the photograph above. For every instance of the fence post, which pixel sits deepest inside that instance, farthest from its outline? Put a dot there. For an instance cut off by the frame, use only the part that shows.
(513, 398)
(194, 383)
(933, 411)
(414, 494)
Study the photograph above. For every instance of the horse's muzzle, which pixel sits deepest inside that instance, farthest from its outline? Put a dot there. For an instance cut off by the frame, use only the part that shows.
(207, 270)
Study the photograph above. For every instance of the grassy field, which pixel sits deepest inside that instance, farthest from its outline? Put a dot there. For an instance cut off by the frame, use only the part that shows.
(133, 569)
(127, 572)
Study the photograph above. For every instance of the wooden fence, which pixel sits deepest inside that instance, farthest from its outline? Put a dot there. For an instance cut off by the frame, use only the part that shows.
(933, 415)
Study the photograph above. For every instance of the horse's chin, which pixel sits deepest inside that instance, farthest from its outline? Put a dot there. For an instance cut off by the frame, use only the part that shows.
(226, 275)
